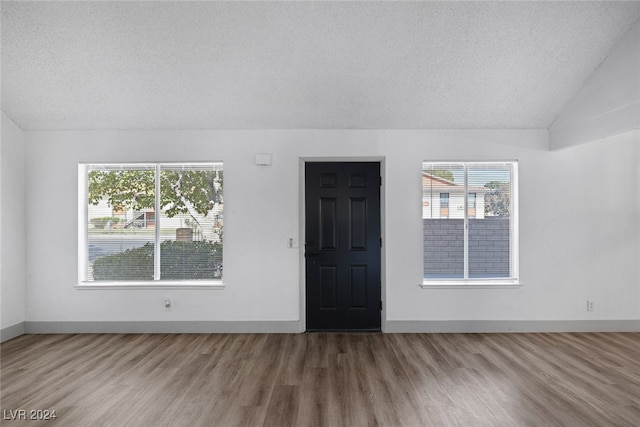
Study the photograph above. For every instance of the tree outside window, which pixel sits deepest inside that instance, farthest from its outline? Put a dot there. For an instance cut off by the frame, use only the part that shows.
(177, 235)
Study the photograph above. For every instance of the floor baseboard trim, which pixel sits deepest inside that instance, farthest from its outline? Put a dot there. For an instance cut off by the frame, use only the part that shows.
(502, 326)
(12, 332)
(182, 327)
(392, 326)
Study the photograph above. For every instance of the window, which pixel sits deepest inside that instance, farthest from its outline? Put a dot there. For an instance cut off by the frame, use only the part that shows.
(469, 222)
(472, 205)
(129, 234)
(444, 205)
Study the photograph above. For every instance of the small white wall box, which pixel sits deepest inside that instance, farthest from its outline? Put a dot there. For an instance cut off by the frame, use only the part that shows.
(263, 159)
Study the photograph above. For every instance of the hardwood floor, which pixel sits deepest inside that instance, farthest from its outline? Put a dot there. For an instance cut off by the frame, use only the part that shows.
(324, 379)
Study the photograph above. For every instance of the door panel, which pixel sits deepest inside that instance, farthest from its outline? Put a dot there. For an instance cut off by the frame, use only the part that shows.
(358, 224)
(342, 245)
(328, 287)
(328, 224)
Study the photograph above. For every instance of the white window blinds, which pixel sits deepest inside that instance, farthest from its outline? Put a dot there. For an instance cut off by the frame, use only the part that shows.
(147, 222)
(469, 223)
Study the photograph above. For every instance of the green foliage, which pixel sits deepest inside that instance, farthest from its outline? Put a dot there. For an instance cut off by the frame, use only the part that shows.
(189, 188)
(448, 175)
(498, 202)
(178, 261)
(124, 189)
(190, 260)
(103, 222)
(132, 264)
(181, 191)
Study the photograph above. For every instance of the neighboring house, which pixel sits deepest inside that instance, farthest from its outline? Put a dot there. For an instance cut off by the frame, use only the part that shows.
(123, 218)
(146, 218)
(442, 198)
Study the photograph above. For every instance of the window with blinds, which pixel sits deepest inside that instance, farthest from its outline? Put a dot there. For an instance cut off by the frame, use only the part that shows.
(469, 215)
(151, 222)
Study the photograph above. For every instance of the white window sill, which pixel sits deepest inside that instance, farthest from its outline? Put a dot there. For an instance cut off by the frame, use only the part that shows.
(471, 284)
(164, 284)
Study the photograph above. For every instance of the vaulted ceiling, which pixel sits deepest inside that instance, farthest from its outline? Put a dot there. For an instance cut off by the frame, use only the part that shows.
(290, 65)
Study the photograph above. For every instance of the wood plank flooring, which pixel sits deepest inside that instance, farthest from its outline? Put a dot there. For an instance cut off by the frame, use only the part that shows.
(324, 379)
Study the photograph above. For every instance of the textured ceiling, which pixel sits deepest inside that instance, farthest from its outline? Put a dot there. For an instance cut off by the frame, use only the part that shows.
(261, 65)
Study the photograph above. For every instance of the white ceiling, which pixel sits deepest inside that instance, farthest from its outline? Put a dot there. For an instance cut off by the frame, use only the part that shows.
(263, 65)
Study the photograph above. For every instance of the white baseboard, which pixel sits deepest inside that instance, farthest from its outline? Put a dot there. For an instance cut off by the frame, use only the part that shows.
(11, 332)
(497, 326)
(185, 327)
(392, 326)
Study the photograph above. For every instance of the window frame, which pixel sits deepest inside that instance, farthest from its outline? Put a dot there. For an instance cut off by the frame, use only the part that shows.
(83, 235)
(481, 283)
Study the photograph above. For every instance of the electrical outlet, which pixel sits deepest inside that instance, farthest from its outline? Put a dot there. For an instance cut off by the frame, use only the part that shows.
(590, 306)
(168, 304)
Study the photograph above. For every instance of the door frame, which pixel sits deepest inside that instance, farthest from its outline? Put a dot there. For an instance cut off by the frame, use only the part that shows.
(302, 232)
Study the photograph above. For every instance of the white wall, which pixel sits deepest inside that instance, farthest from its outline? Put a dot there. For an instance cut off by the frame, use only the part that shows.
(609, 101)
(571, 249)
(567, 255)
(12, 222)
